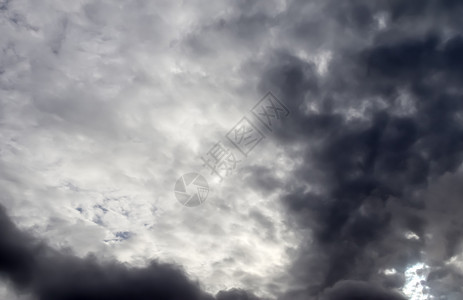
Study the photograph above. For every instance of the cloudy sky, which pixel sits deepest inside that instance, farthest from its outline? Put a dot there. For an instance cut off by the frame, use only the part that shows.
(353, 192)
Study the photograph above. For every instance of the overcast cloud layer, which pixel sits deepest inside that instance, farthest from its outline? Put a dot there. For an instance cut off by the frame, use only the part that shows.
(104, 104)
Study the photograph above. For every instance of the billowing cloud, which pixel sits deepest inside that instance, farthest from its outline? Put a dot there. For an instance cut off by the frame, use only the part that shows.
(382, 123)
(104, 106)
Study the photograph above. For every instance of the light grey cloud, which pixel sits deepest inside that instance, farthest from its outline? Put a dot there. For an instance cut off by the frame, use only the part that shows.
(104, 106)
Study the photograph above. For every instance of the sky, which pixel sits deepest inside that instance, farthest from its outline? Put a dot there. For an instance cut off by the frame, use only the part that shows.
(349, 188)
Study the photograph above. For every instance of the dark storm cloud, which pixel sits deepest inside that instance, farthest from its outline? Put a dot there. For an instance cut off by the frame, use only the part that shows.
(405, 80)
(34, 268)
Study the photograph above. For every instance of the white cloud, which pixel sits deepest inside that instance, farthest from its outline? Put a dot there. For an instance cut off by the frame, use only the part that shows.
(103, 106)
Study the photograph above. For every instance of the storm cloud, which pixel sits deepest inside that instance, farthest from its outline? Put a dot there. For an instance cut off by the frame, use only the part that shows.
(360, 184)
(381, 124)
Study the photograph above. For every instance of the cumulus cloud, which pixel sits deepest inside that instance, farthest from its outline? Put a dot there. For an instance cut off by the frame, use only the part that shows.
(103, 106)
